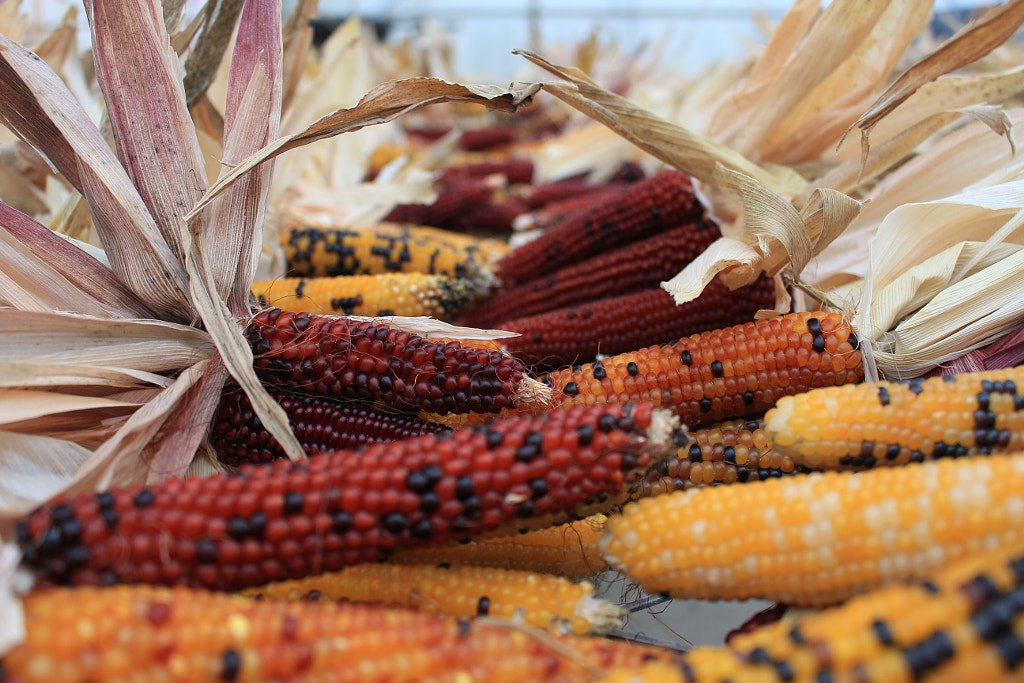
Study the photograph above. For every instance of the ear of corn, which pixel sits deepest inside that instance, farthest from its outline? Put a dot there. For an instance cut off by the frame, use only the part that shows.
(555, 209)
(516, 170)
(722, 374)
(619, 324)
(889, 423)
(321, 424)
(539, 600)
(318, 252)
(350, 359)
(408, 294)
(568, 550)
(820, 538)
(629, 268)
(143, 633)
(453, 203)
(290, 520)
(649, 206)
(730, 452)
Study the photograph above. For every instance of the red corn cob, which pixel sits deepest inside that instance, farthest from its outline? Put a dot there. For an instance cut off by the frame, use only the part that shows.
(561, 210)
(631, 321)
(570, 188)
(495, 216)
(479, 139)
(517, 170)
(620, 271)
(345, 358)
(722, 374)
(649, 206)
(320, 424)
(289, 520)
(453, 202)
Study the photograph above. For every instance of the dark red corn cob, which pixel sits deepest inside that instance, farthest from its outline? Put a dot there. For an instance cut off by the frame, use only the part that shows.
(453, 202)
(320, 424)
(495, 216)
(351, 359)
(627, 269)
(622, 323)
(517, 170)
(545, 194)
(480, 139)
(562, 210)
(648, 207)
(289, 520)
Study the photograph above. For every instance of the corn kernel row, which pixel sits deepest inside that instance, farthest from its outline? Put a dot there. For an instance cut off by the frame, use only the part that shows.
(290, 520)
(893, 423)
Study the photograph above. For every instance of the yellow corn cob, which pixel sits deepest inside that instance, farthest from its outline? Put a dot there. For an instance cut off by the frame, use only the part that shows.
(729, 452)
(409, 294)
(889, 423)
(568, 550)
(819, 538)
(149, 634)
(539, 600)
(322, 251)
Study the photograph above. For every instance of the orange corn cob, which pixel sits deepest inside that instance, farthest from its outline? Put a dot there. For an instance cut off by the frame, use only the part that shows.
(345, 358)
(409, 294)
(539, 600)
(312, 251)
(727, 453)
(819, 538)
(723, 374)
(889, 423)
(143, 633)
(568, 550)
(650, 206)
(238, 436)
(289, 520)
(619, 324)
(627, 269)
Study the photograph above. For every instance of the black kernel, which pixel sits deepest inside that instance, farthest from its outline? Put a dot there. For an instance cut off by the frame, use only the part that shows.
(395, 522)
(883, 396)
(717, 370)
(238, 528)
(144, 498)
(585, 435)
(62, 513)
(483, 606)
(293, 502)
(571, 389)
(422, 530)
(464, 487)
(231, 665)
(341, 522)
(814, 325)
(494, 438)
(599, 371)
(817, 343)
(632, 369)
(748, 398)
(1011, 649)
(433, 473)
(417, 482)
(686, 358)
(883, 632)
(206, 551)
(705, 405)
(429, 502)
(607, 422)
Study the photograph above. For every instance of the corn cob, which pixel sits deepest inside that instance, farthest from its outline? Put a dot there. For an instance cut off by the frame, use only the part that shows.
(822, 537)
(730, 452)
(723, 374)
(493, 217)
(888, 423)
(620, 324)
(650, 206)
(409, 294)
(488, 137)
(620, 271)
(516, 170)
(238, 436)
(144, 633)
(350, 359)
(289, 520)
(568, 550)
(454, 201)
(570, 188)
(539, 600)
(558, 211)
(321, 252)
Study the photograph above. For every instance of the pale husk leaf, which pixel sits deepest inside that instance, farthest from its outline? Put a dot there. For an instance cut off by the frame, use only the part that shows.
(17, 405)
(63, 376)
(219, 19)
(53, 122)
(14, 581)
(35, 468)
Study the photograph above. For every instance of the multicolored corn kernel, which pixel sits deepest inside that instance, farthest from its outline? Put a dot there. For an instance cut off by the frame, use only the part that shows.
(540, 600)
(290, 520)
(650, 206)
(408, 294)
(182, 635)
(619, 324)
(568, 550)
(313, 251)
(819, 538)
(890, 423)
(722, 374)
(735, 451)
(366, 360)
(636, 266)
(320, 424)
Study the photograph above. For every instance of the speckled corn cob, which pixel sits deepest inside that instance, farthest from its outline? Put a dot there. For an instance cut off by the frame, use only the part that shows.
(620, 271)
(727, 453)
(568, 550)
(408, 294)
(181, 635)
(317, 252)
(888, 423)
(290, 520)
(722, 374)
(538, 600)
(619, 324)
(321, 424)
(650, 206)
(350, 359)
(819, 538)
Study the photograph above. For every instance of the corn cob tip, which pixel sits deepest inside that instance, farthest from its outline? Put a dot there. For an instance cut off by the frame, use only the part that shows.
(600, 615)
(532, 392)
